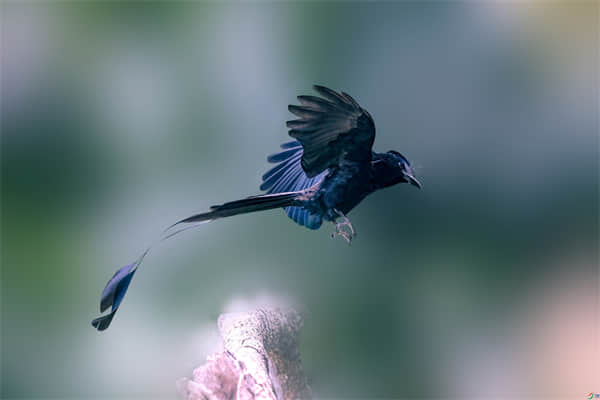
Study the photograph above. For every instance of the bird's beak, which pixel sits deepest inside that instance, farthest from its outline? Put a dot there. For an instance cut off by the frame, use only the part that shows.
(413, 181)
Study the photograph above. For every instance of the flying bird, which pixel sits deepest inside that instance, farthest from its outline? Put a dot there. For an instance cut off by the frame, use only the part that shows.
(319, 176)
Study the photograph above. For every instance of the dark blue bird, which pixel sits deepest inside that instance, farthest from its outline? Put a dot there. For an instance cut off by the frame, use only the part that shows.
(321, 175)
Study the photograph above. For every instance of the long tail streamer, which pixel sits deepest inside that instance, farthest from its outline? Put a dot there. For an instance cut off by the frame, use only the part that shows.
(117, 286)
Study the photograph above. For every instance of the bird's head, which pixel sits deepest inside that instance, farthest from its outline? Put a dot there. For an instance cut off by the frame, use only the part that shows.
(402, 167)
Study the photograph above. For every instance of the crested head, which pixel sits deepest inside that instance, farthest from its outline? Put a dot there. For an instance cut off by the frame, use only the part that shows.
(404, 168)
(391, 168)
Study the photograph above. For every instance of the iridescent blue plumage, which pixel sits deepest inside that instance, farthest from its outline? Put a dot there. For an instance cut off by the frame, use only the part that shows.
(113, 294)
(288, 176)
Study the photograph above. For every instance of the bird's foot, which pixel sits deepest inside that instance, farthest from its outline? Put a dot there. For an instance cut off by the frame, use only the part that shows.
(349, 233)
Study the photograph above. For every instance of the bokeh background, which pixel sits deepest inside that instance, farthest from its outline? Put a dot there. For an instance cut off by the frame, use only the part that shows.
(120, 118)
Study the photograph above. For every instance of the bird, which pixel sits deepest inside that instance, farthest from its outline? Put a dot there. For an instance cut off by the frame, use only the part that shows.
(321, 175)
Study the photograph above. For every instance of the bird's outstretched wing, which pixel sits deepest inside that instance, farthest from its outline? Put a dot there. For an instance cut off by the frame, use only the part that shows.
(288, 176)
(331, 128)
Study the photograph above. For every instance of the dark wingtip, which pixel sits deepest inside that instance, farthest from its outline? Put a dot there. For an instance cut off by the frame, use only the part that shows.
(331, 95)
(325, 91)
(351, 100)
(291, 144)
(296, 110)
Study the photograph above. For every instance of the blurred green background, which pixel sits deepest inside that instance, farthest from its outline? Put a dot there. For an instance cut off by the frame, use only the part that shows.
(120, 118)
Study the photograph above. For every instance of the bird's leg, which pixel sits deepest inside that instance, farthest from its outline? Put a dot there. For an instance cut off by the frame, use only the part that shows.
(347, 235)
(340, 232)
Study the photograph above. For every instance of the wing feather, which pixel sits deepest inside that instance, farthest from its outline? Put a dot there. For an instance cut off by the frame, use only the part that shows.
(288, 176)
(331, 128)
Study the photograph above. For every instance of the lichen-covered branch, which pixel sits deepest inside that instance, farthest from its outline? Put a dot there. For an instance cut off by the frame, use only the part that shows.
(261, 359)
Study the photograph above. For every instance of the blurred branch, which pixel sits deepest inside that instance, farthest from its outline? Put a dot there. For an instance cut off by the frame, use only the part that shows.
(261, 359)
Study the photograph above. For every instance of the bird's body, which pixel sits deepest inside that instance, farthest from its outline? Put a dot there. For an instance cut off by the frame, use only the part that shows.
(320, 176)
(342, 189)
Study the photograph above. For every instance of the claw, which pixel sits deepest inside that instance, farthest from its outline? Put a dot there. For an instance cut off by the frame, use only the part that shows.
(347, 235)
